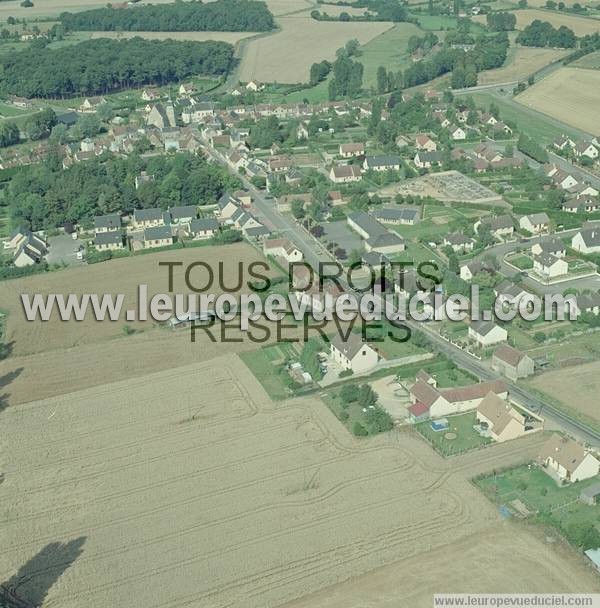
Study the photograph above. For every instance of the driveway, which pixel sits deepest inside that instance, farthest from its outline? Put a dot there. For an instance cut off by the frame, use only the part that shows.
(63, 250)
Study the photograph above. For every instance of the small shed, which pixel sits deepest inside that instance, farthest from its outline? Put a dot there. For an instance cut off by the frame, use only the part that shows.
(594, 556)
(590, 494)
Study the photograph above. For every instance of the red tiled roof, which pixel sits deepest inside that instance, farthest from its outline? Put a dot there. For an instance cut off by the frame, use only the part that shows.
(418, 409)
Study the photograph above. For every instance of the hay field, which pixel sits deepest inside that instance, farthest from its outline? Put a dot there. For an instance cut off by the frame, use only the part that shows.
(287, 55)
(522, 62)
(571, 95)
(231, 37)
(121, 276)
(590, 62)
(577, 387)
(580, 25)
(190, 488)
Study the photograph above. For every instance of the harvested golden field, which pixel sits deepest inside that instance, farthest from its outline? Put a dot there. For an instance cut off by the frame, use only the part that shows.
(231, 37)
(287, 55)
(121, 276)
(580, 25)
(577, 387)
(571, 95)
(286, 7)
(189, 487)
(522, 62)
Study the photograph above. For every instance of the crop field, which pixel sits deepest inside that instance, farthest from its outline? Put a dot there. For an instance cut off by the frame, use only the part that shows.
(590, 62)
(387, 49)
(231, 37)
(521, 62)
(554, 96)
(190, 487)
(286, 56)
(580, 25)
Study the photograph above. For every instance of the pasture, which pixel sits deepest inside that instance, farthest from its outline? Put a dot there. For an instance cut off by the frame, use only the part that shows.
(570, 95)
(286, 55)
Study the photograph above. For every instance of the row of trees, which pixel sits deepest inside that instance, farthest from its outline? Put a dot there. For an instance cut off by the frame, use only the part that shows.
(531, 148)
(378, 10)
(191, 16)
(104, 65)
(46, 195)
(543, 34)
(347, 74)
(502, 21)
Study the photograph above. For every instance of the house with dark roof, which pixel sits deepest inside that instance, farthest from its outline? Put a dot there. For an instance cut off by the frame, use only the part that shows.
(31, 250)
(487, 333)
(158, 236)
(501, 226)
(380, 163)
(353, 354)
(536, 223)
(512, 363)
(552, 245)
(586, 240)
(459, 242)
(377, 237)
(110, 222)
(203, 228)
(548, 266)
(397, 215)
(344, 174)
(183, 215)
(149, 218)
(425, 160)
(109, 241)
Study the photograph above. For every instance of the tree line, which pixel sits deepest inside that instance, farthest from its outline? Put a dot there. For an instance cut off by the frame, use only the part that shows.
(543, 34)
(501, 21)
(379, 10)
(45, 196)
(191, 16)
(104, 65)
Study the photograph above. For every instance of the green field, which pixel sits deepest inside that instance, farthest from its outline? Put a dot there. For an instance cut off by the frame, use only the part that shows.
(591, 61)
(467, 438)
(387, 49)
(528, 121)
(262, 364)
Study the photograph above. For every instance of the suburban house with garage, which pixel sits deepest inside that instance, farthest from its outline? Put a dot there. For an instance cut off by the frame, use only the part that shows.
(345, 174)
(282, 248)
(537, 223)
(203, 228)
(552, 246)
(437, 402)
(398, 216)
(487, 333)
(382, 163)
(548, 266)
(353, 354)
(183, 215)
(587, 240)
(459, 242)
(158, 236)
(566, 460)
(150, 218)
(512, 363)
(352, 150)
(109, 241)
(503, 421)
(107, 223)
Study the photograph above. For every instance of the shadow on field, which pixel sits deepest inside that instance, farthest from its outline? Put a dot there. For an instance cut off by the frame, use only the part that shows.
(4, 382)
(30, 585)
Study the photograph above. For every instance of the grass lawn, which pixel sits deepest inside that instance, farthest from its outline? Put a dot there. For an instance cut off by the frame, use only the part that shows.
(261, 364)
(552, 505)
(522, 262)
(416, 253)
(383, 337)
(387, 49)
(461, 425)
(8, 111)
(534, 124)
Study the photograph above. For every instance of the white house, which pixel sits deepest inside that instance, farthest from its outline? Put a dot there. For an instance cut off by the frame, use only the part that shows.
(352, 149)
(502, 421)
(353, 353)
(567, 460)
(512, 363)
(587, 149)
(459, 242)
(345, 174)
(457, 133)
(425, 160)
(108, 241)
(282, 248)
(548, 266)
(487, 333)
(382, 163)
(424, 142)
(203, 228)
(537, 223)
(587, 240)
(158, 236)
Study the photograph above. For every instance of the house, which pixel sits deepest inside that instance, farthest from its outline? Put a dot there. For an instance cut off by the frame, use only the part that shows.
(487, 153)
(500, 226)
(509, 293)
(582, 204)
(537, 223)
(282, 248)
(107, 223)
(353, 354)
(548, 266)
(458, 242)
(345, 174)
(374, 261)
(566, 460)
(588, 303)
(487, 333)
(443, 402)
(377, 237)
(335, 197)
(108, 241)
(31, 249)
(382, 163)
(91, 104)
(512, 363)
(552, 246)
(502, 421)
(150, 94)
(302, 131)
(352, 149)
(227, 205)
(254, 86)
(587, 149)
(158, 236)
(183, 215)
(203, 228)
(425, 143)
(563, 142)
(397, 215)
(149, 218)
(457, 133)
(161, 117)
(279, 164)
(220, 141)
(425, 160)
(469, 270)
(586, 240)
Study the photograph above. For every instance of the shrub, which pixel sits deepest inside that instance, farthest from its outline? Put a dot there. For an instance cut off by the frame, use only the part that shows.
(359, 430)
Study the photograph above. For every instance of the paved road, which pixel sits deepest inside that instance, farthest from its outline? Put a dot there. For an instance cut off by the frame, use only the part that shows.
(315, 253)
